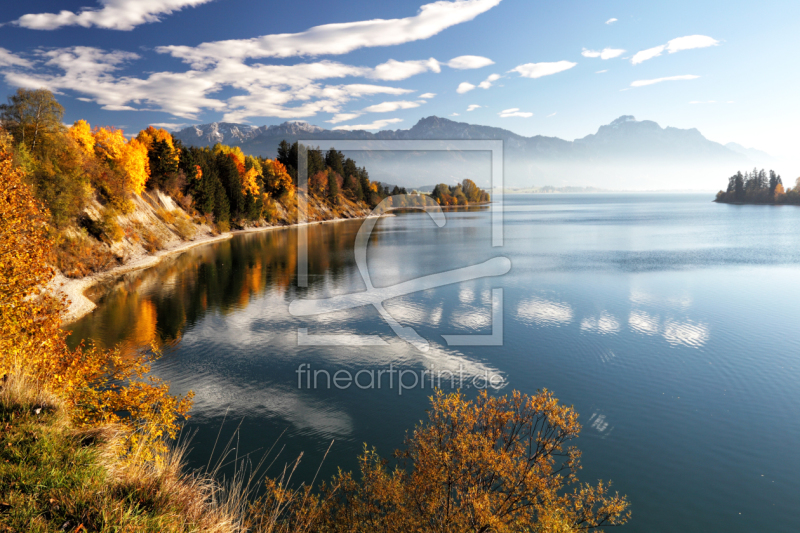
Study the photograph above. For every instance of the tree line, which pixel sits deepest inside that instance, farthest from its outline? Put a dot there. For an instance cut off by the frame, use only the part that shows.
(68, 167)
(759, 187)
(463, 193)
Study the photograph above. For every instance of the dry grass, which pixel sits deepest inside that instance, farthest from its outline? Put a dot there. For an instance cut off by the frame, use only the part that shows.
(184, 227)
(80, 255)
(56, 478)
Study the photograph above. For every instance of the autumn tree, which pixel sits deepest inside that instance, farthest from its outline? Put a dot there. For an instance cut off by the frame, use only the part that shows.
(81, 133)
(32, 116)
(494, 464)
(277, 180)
(129, 157)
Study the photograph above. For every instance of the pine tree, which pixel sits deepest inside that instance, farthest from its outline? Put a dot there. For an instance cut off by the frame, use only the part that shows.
(333, 187)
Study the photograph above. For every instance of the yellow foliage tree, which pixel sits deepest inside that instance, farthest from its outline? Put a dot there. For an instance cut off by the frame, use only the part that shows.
(81, 132)
(251, 175)
(127, 156)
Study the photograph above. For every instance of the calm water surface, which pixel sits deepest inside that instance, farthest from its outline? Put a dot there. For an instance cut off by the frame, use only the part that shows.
(669, 322)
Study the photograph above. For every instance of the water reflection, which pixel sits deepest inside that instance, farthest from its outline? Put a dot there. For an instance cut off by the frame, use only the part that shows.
(544, 312)
(604, 324)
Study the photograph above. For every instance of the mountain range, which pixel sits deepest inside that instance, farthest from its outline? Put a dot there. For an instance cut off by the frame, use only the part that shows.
(627, 153)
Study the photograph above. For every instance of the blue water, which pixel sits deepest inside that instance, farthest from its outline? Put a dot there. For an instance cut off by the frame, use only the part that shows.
(668, 322)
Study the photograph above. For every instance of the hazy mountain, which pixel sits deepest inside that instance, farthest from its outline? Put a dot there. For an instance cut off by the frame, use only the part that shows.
(750, 153)
(626, 153)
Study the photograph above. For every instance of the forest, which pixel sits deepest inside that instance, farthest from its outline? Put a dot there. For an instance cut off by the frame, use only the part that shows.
(91, 180)
(758, 187)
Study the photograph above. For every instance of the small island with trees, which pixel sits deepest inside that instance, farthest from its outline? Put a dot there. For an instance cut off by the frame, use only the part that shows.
(758, 187)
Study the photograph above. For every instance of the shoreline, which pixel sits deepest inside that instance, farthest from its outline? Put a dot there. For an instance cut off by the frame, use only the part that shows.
(74, 289)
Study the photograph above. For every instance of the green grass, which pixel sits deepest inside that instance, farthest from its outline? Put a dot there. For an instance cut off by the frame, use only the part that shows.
(54, 478)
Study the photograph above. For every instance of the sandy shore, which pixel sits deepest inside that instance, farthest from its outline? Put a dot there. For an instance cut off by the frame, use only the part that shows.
(74, 289)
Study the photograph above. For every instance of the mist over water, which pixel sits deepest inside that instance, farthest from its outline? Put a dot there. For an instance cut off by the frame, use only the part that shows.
(666, 320)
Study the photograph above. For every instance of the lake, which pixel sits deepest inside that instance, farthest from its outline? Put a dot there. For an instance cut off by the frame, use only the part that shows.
(668, 321)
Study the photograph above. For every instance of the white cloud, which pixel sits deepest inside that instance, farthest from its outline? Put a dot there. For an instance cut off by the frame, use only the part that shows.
(170, 125)
(454, 115)
(464, 87)
(339, 38)
(688, 42)
(473, 107)
(650, 53)
(601, 71)
(283, 91)
(113, 15)
(7, 59)
(343, 117)
(387, 107)
(399, 70)
(427, 96)
(611, 21)
(605, 53)
(469, 62)
(378, 124)
(487, 83)
(537, 70)
(551, 115)
(642, 83)
(514, 112)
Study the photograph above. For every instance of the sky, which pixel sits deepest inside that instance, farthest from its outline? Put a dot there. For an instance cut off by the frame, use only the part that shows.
(727, 68)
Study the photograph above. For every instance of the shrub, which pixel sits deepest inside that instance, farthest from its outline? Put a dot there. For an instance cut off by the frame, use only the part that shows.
(493, 464)
(184, 226)
(79, 255)
(109, 225)
(151, 241)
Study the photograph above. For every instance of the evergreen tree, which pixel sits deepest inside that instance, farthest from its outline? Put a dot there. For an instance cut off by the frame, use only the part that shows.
(333, 187)
(232, 183)
(739, 186)
(774, 181)
(335, 160)
(163, 163)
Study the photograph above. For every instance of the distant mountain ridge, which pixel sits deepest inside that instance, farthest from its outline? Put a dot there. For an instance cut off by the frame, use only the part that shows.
(632, 150)
(625, 136)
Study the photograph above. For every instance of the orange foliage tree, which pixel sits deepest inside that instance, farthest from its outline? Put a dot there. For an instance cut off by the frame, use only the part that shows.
(499, 464)
(99, 386)
(152, 135)
(277, 179)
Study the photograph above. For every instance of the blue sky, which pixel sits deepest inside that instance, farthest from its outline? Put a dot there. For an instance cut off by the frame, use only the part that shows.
(729, 68)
